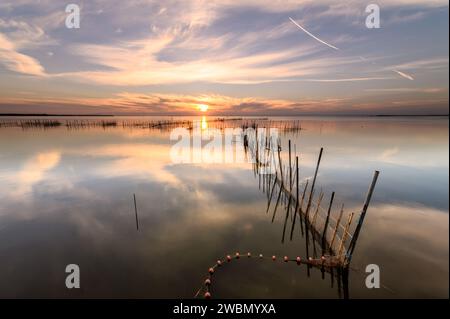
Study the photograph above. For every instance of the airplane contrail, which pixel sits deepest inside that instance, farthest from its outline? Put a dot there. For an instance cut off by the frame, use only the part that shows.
(402, 74)
(406, 76)
(312, 35)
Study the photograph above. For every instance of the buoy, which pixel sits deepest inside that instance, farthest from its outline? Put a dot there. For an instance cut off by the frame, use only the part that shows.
(273, 258)
(237, 255)
(208, 282)
(219, 263)
(249, 255)
(286, 259)
(211, 270)
(299, 260)
(229, 258)
(207, 295)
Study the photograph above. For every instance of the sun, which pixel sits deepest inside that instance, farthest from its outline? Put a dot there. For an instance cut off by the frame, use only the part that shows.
(202, 107)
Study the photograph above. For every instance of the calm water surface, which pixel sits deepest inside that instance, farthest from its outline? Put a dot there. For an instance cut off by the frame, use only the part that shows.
(66, 196)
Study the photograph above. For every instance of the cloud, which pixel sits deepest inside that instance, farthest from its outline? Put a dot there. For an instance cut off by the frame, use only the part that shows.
(23, 34)
(185, 104)
(137, 63)
(349, 79)
(430, 63)
(407, 90)
(18, 62)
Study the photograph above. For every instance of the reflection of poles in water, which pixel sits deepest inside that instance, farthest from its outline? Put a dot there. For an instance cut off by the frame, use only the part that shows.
(135, 212)
(307, 247)
(290, 193)
(342, 281)
(313, 212)
(336, 252)
(345, 275)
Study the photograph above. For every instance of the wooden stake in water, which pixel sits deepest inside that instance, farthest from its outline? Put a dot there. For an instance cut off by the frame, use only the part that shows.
(290, 194)
(313, 184)
(297, 198)
(338, 222)
(324, 234)
(351, 247)
(135, 212)
(271, 193)
(345, 234)
(313, 223)
(290, 165)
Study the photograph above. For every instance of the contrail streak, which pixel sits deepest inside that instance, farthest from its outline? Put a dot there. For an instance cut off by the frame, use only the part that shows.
(402, 74)
(406, 76)
(312, 35)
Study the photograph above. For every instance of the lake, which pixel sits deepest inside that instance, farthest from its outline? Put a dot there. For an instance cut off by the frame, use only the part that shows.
(66, 197)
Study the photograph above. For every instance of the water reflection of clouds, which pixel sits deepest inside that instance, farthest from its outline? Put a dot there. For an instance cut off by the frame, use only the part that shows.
(33, 171)
(410, 243)
(77, 194)
(137, 160)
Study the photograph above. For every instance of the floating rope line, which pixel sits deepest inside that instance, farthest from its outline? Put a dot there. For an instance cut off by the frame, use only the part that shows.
(322, 262)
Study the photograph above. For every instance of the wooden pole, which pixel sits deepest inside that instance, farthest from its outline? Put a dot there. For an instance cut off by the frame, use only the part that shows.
(280, 164)
(313, 183)
(299, 209)
(257, 149)
(345, 234)
(278, 201)
(313, 223)
(336, 228)
(271, 193)
(282, 182)
(290, 165)
(297, 197)
(290, 194)
(324, 234)
(362, 216)
(135, 212)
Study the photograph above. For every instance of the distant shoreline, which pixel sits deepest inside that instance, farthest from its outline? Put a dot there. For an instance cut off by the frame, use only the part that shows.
(411, 115)
(221, 115)
(53, 115)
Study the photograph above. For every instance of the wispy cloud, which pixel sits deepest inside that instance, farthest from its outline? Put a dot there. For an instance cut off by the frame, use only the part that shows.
(408, 90)
(16, 61)
(179, 104)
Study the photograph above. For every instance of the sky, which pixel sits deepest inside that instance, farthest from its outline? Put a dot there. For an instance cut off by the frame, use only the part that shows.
(243, 57)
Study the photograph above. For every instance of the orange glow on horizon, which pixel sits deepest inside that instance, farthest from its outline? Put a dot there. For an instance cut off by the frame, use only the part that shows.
(203, 107)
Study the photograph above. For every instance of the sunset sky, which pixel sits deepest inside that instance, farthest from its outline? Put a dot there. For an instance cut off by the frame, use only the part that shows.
(236, 57)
